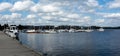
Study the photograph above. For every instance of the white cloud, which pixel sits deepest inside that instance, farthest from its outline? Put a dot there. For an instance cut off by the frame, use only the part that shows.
(36, 8)
(92, 3)
(114, 4)
(4, 6)
(86, 18)
(112, 15)
(65, 3)
(79, 12)
(100, 20)
(73, 16)
(85, 9)
(44, 8)
(49, 8)
(22, 5)
(11, 19)
(64, 19)
(12, 16)
(47, 17)
(88, 6)
(16, 15)
(31, 16)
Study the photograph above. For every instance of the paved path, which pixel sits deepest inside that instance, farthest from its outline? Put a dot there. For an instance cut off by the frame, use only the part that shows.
(10, 47)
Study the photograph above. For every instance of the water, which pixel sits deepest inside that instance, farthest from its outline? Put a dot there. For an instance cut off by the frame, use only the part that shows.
(95, 43)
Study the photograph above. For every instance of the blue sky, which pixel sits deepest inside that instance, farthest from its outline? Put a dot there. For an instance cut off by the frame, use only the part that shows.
(60, 12)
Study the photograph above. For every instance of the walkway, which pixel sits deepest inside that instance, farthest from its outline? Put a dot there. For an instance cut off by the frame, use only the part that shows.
(10, 47)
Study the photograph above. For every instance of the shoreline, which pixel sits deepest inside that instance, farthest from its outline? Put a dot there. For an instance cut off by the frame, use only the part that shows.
(12, 47)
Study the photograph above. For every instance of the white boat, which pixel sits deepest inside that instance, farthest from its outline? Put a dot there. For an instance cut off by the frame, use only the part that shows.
(101, 29)
(72, 30)
(89, 29)
(12, 31)
(50, 31)
(80, 30)
(62, 30)
(31, 31)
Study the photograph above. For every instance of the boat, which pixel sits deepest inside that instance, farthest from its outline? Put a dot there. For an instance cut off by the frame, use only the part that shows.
(101, 29)
(72, 30)
(89, 29)
(12, 31)
(31, 31)
(80, 30)
(50, 31)
(62, 30)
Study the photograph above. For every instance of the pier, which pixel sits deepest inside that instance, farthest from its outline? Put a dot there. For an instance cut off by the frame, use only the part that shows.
(11, 47)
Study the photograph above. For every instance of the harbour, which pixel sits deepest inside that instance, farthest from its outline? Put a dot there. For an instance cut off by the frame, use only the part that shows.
(65, 42)
(59, 27)
(94, 43)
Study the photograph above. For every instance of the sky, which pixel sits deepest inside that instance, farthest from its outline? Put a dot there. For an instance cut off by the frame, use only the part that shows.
(60, 12)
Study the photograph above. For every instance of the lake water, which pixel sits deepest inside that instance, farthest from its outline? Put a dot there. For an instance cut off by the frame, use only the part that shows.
(95, 43)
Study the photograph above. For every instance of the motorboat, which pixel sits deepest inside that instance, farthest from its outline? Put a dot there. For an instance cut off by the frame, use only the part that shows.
(100, 29)
(12, 31)
(31, 31)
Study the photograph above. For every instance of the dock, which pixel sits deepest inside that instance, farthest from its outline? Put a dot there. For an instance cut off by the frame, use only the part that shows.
(12, 47)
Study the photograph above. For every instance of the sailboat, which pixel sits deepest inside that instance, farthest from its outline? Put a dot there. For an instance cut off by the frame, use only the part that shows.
(80, 30)
(89, 29)
(31, 30)
(50, 30)
(71, 29)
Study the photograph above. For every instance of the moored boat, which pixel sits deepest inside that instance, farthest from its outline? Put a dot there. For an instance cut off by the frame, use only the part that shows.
(101, 29)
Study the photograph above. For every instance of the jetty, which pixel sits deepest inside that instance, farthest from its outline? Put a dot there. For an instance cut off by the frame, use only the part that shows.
(12, 47)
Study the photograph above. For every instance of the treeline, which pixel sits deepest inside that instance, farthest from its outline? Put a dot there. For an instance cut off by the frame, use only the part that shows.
(47, 27)
(2, 27)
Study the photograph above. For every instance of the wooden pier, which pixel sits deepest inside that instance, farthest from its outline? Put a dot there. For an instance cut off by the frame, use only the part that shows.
(11, 47)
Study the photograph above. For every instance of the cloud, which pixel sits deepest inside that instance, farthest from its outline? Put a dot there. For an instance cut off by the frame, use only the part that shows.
(44, 8)
(114, 4)
(36, 8)
(47, 17)
(92, 3)
(100, 20)
(73, 16)
(11, 19)
(64, 19)
(84, 20)
(72, 12)
(112, 15)
(4, 6)
(12, 16)
(49, 8)
(31, 16)
(22, 5)
(88, 6)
